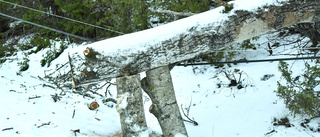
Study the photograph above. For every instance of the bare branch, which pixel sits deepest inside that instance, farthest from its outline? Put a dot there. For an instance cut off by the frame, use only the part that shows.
(189, 119)
(10, 128)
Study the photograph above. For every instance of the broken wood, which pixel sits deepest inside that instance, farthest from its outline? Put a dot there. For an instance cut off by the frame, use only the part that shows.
(74, 112)
(44, 124)
(75, 131)
(10, 128)
(34, 97)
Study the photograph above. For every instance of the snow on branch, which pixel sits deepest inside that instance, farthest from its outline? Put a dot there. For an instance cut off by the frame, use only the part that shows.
(173, 12)
(186, 38)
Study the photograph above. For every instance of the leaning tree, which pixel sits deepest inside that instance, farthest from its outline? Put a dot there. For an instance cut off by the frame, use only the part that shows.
(153, 50)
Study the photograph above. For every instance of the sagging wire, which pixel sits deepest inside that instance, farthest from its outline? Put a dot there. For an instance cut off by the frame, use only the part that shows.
(45, 27)
(15, 4)
(249, 61)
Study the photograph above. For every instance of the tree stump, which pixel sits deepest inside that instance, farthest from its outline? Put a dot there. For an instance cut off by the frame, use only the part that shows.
(158, 85)
(130, 106)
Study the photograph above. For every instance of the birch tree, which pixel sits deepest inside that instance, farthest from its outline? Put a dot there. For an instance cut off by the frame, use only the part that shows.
(130, 106)
(158, 85)
(186, 38)
(182, 40)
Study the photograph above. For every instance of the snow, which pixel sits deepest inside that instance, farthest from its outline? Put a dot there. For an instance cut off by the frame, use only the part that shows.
(180, 135)
(132, 42)
(122, 101)
(244, 4)
(220, 112)
(15, 23)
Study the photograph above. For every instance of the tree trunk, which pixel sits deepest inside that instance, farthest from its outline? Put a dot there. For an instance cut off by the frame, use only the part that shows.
(173, 42)
(130, 106)
(158, 85)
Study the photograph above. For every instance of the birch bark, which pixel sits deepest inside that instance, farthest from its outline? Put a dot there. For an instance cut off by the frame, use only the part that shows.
(151, 53)
(158, 85)
(130, 106)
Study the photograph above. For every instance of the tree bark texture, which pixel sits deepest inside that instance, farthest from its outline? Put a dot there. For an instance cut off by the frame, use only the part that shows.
(158, 85)
(130, 106)
(148, 54)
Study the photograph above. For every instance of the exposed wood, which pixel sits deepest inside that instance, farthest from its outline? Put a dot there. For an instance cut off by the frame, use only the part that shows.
(150, 53)
(158, 85)
(130, 106)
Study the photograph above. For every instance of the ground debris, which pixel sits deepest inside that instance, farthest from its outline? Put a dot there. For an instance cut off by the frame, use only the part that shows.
(44, 124)
(34, 97)
(282, 122)
(266, 77)
(272, 131)
(10, 128)
(75, 131)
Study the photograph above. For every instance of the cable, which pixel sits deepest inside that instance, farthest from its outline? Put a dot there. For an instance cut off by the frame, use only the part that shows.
(249, 61)
(255, 50)
(14, 4)
(45, 27)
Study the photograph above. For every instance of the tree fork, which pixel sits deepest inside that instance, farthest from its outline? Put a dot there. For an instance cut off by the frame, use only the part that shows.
(130, 106)
(158, 85)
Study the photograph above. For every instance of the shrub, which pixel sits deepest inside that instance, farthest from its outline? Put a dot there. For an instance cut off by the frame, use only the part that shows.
(248, 45)
(52, 54)
(299, 92)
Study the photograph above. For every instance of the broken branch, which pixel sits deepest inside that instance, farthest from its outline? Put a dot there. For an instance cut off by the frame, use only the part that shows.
(10, 128)
(189, 119)
(44, 124)
(34, 97)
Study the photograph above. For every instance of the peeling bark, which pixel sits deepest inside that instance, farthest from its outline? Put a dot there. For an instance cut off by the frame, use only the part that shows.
(158, 85)
(130, 106)
(186, 45)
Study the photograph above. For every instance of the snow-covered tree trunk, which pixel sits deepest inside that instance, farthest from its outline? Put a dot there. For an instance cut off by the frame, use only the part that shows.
(130, 106)
(187, 38)
(158, 85)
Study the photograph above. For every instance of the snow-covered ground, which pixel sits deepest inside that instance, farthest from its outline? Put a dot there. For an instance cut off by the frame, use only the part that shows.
(28, 109)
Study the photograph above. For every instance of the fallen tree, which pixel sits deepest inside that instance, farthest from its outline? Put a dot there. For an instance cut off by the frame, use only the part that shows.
(185, 39)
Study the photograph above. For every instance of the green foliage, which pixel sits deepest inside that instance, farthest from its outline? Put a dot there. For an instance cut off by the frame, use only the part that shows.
(192, 6)
(6, 50)
(38, 42)
(52, 54)
(24, 65)
(2, 50)
(42, 19)
(227, 9)
(248, 45)
(299, 92)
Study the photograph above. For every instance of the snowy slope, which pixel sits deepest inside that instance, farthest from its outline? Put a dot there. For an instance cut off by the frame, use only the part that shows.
(220, 112)
(28, 109)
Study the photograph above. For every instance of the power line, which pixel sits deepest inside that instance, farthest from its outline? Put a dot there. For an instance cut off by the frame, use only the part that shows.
(45, 27)
(249, 61)
(15, 4)
(255, 50)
